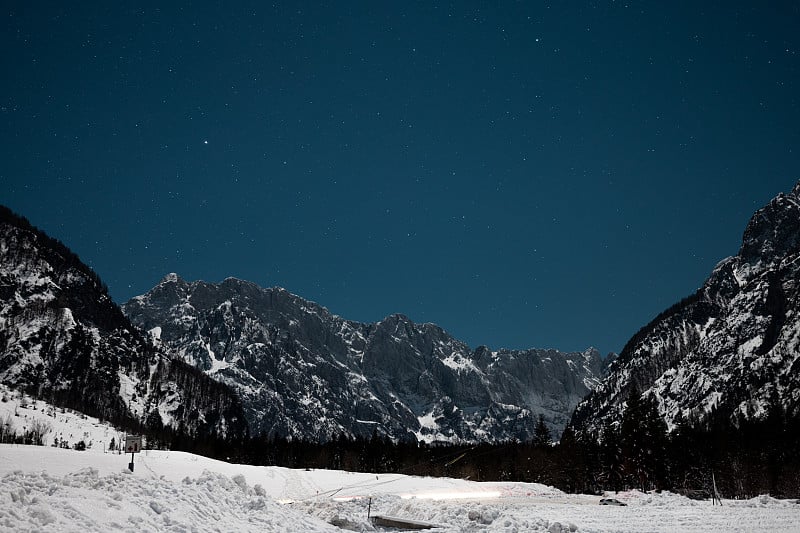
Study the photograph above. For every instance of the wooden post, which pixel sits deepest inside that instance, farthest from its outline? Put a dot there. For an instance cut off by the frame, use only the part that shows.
(716, 492)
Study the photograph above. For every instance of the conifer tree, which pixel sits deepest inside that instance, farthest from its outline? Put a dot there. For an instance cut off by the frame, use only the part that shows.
(541, 434)
(643, 436)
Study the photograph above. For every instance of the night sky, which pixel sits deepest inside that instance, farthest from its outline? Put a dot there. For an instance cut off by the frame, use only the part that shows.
(522, 174)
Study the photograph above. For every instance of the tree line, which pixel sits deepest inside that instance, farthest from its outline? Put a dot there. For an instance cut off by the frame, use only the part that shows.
(741, 458)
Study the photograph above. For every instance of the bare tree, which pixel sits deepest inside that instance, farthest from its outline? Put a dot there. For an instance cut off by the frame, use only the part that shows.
(38, 430)
(7, 430)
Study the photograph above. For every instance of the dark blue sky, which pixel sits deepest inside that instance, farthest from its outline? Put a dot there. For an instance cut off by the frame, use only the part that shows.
(523, 174)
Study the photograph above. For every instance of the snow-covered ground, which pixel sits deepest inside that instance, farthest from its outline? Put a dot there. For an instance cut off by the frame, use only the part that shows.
(22, 413)
(43, 488)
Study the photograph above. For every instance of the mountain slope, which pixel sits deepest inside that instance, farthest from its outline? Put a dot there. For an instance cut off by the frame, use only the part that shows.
(304, 372)
(63, 339)
(732, 348)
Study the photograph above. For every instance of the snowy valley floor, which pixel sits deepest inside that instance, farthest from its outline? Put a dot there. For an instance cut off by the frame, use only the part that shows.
(51, 489)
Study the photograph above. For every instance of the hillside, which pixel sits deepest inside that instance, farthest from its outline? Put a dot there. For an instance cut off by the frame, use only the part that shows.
(730, 351)
(63, 339)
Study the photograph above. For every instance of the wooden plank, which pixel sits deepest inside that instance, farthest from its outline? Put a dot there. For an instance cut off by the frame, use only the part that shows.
(402, 523)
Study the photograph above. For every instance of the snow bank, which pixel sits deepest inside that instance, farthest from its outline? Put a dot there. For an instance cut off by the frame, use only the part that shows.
(86, 501)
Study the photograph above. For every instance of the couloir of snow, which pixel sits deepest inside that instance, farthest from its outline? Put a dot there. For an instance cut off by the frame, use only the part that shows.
(44, 488)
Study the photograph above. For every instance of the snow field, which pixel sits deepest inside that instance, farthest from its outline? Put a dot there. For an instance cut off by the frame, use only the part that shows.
(44, 488)
(53, 489)
(21, 412)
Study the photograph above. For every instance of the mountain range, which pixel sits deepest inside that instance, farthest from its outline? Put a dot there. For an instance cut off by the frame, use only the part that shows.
(231, 358)
(301, 370)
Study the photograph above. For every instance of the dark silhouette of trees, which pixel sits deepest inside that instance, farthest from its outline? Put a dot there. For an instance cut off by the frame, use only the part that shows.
(643, 443)
(541, 434)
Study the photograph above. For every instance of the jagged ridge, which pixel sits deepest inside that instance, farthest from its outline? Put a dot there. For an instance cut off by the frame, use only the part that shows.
(304, 372)
(731, 348)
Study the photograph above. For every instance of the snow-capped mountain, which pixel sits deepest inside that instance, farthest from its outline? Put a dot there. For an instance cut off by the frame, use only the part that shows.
(304, 372)
(733, 347)
(63, 339)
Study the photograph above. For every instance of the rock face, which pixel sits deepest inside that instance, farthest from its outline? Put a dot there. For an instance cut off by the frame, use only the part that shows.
(732, 348)
(303, 372)
(63, 339)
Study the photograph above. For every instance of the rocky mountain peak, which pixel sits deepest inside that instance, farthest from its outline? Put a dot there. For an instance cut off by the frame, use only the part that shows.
(796, 190)
(774, 230)
(732, 348)
(172, 277)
